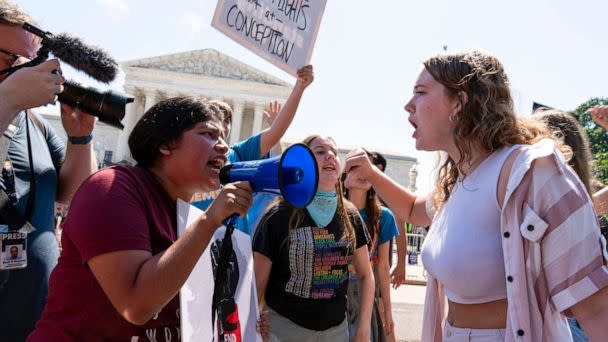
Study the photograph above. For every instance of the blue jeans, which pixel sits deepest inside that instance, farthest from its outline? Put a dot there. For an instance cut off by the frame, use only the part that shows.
(578, 335)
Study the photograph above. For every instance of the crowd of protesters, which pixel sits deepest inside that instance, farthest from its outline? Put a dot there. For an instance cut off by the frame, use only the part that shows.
(514, 250)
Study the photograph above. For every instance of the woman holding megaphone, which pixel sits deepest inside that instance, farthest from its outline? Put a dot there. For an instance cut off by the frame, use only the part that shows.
(122, 264)
(301, 259)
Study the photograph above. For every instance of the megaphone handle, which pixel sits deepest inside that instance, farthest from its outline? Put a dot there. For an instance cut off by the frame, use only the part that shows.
(222, 266)
(230, 222)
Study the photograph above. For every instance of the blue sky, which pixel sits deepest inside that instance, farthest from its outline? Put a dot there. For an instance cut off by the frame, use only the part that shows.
(368, 53)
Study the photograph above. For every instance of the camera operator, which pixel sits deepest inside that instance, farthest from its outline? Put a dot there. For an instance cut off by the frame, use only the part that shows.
(57, 170)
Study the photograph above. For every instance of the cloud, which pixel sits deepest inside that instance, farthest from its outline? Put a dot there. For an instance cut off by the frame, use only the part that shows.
(116, 8)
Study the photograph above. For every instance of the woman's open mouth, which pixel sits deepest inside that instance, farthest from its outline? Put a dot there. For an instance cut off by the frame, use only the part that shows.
(413, 125)
(330, 169)
(216, 164)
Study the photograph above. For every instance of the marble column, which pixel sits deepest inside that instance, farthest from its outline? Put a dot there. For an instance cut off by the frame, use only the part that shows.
(133, 112)
(412, 175)
(237, 118)
(151, 97)
(258, 118)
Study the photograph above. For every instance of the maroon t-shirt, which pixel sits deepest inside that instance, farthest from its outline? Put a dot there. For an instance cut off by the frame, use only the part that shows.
(116, 209)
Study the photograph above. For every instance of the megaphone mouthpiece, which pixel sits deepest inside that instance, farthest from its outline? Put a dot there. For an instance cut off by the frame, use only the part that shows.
(292, 175)
(225, 174)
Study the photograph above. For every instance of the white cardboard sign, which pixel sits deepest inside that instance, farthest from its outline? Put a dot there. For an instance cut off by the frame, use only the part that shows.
(282, 32)
(197, 293)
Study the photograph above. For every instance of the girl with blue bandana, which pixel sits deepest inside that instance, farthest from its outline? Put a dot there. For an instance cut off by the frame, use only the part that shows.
(301, 259)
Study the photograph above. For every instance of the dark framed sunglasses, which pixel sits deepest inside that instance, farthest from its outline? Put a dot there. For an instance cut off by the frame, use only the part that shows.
(13, 56)
(11, 62)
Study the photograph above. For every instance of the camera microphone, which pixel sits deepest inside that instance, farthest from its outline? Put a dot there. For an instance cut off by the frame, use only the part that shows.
(108, 106)
(92, 61)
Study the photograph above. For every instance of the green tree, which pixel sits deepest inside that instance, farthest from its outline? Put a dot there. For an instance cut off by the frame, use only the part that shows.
(598, 138)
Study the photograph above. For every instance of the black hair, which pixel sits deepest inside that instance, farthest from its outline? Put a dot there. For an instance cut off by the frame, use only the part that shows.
(163, 125)
(372, 208)
(378, 159)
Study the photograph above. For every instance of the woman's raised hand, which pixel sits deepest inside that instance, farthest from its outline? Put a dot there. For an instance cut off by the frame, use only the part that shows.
(600, 115)
(358, 168)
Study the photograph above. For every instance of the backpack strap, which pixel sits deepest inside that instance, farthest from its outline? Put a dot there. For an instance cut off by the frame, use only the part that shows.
(15, 220)
(36, 122)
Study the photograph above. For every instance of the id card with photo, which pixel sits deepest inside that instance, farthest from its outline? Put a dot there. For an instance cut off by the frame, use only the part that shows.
(13, 250)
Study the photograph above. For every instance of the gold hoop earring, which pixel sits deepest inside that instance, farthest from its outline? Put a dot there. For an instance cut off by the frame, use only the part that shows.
(452, 117)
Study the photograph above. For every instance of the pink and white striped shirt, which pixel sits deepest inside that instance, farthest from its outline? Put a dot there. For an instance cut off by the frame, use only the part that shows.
(553, 252)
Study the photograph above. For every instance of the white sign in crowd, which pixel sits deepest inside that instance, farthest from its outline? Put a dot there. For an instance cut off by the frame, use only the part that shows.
(196, 295)
(281, 31)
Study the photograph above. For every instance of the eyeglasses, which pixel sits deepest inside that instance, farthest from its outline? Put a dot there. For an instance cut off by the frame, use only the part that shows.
(8, 60)
(10, 57)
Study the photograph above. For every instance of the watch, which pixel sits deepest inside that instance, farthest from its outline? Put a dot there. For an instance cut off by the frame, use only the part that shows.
(80, 140)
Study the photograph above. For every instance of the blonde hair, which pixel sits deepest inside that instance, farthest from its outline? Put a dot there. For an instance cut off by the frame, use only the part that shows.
(565, 127)
(486, 120)
(11, 14)
(223, 108)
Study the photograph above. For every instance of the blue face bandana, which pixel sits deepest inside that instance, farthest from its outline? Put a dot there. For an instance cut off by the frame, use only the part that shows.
(323, 207)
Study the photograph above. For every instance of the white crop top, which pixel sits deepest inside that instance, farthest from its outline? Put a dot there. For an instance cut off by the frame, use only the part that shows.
(463, 249)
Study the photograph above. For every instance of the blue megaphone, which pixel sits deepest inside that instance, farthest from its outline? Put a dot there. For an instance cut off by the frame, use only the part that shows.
(293, 175)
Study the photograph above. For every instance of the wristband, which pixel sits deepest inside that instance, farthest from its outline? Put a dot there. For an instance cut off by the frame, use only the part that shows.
(80, 140)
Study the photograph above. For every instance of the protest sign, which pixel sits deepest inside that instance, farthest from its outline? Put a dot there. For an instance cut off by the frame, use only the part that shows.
(238, 310)
(281, 31)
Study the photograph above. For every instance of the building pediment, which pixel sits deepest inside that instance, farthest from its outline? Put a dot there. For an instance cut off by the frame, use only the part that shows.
(207, 62)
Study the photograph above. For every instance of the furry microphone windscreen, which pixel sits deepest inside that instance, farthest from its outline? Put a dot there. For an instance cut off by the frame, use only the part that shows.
(89, 59)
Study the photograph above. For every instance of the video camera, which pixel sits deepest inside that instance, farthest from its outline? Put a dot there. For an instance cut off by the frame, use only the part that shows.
(108, 106)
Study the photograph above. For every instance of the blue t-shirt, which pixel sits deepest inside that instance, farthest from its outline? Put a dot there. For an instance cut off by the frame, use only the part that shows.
(23, 295)
(388, 226)
(388, 230)
(246, 150)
